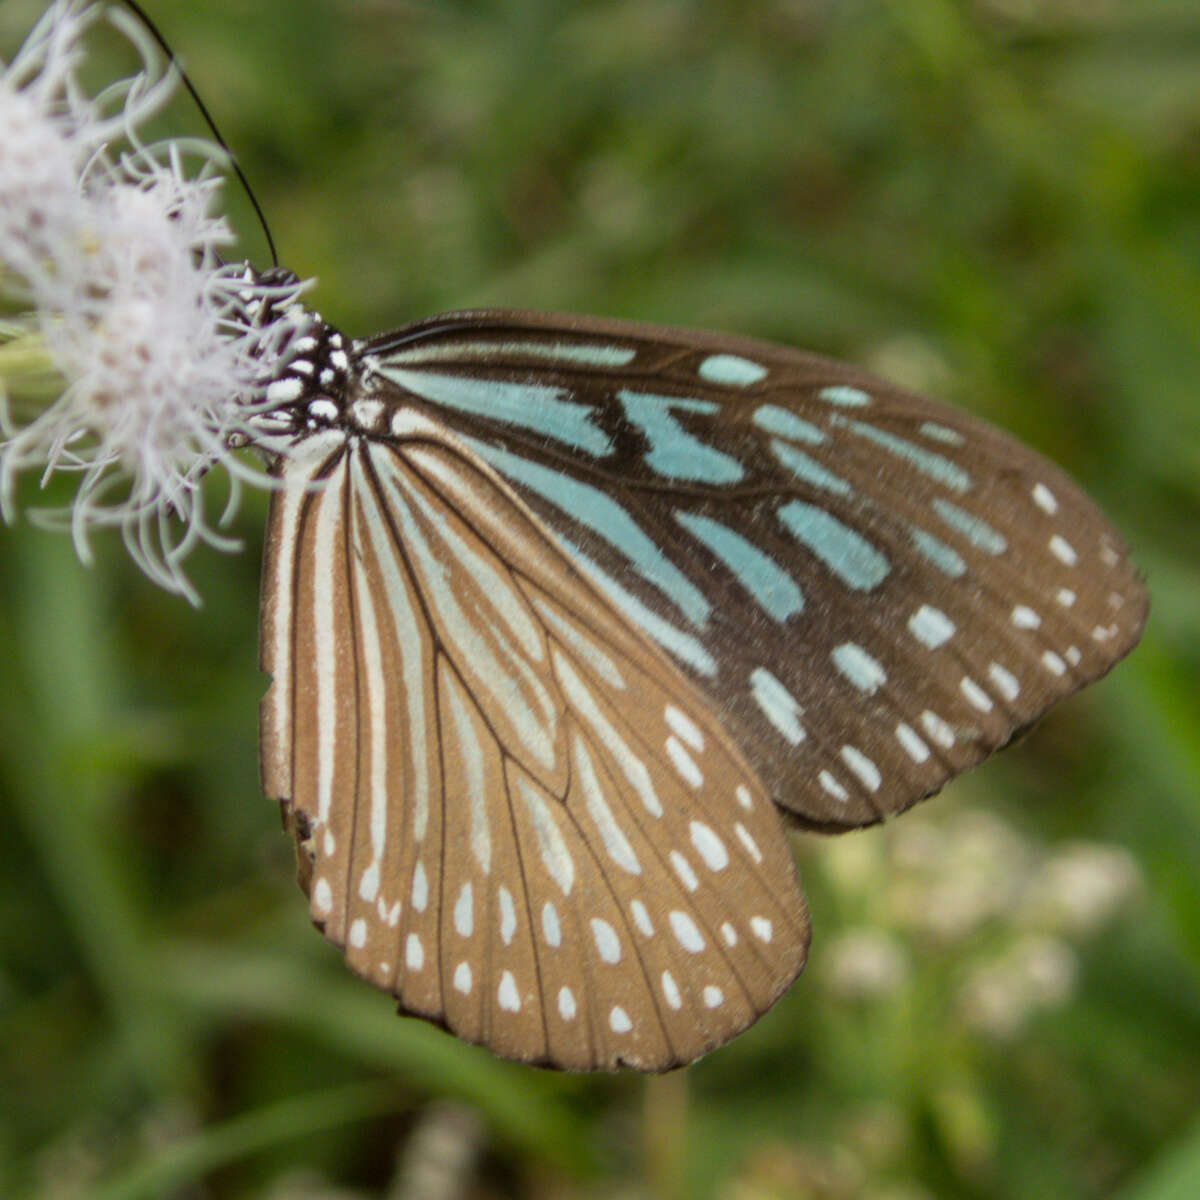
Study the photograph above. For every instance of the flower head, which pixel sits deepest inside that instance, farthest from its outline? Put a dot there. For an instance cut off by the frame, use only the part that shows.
(161, 347)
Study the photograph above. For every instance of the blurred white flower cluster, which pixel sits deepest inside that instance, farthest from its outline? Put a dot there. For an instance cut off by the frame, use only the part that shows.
(111, 254)
(1014, 910)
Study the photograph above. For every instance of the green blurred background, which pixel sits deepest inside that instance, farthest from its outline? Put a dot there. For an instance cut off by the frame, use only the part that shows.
(996, 201)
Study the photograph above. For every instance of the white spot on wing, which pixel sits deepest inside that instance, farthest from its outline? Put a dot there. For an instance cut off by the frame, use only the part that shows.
(833, 787)
(420, 887)
(618, 1020)
(608, 945)
(507, 994)
(845, 397)
(368, 885)
(713, 997)
(566, 1004)
(683, 763)
(508, 915)
(938, 729)
(931, 627)
(687, 729)
(1063, 550)
(462, 978)
(683, 869)
(1053, 663)
(709, 846)
(1004, 681)
(914, 745)
(685, 931)
(551, 926)
(731, 369)
(414, 953)
(863, 767)
(671, 991)
(778, 705)
(358, 934)
(641, 918)
(1044, 498)
(761, 928)
(464, 911)
(322, 896)
(1023, 617)
(975, 696)
(859, 668)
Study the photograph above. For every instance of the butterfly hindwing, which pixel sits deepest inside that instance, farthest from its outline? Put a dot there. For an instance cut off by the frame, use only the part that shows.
(874, 590)
(518, 816)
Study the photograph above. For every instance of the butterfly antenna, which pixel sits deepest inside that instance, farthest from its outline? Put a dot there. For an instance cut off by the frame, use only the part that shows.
(152, 29)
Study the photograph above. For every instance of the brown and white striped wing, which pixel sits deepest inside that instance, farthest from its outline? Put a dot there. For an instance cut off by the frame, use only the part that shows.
(517, 815)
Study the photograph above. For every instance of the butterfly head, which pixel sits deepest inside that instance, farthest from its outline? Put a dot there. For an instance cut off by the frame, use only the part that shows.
(312, 372)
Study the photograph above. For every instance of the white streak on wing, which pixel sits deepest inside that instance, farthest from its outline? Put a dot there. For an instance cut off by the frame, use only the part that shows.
(748, 842)
(536, 730)
(371, 655)
(616, 844)
(684, 763)
(471, 757)
(582, 647)
(496, 586)
(684, 726)
(328, 506)
(552, 846)
(585, 705)
(297, 480)
(684, 870)
(683, 646)
(409, 636)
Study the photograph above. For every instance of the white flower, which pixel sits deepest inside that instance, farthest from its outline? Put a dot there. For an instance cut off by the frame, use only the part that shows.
(1081, 887)
(866, 964)
(1035, 973)
(165, 351)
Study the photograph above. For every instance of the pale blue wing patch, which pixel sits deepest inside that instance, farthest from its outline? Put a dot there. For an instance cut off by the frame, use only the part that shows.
(675, 452)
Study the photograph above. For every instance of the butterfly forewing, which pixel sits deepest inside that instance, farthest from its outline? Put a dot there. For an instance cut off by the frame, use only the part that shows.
(517, 815)
(875, 591)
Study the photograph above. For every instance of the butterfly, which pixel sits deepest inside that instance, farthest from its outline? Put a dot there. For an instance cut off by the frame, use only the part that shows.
(569, 619)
